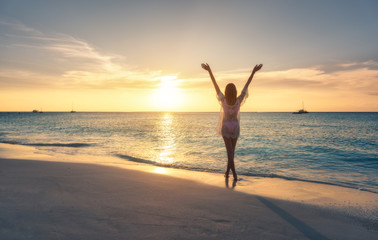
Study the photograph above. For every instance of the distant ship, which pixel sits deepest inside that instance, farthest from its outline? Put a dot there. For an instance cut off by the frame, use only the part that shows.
(72, 111)
(37, 111)
(301, 111)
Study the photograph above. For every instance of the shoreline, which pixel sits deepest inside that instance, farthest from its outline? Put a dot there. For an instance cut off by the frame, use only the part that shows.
(357, 202)
(302, 207)
(288, 111)
(129, 160)
(209, 171)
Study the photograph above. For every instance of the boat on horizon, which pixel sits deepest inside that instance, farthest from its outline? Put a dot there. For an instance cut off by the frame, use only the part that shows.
(37, 111)
(72, 110)
(301, 111)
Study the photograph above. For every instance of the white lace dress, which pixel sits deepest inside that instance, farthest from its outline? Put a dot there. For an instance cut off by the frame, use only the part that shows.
(229, 118)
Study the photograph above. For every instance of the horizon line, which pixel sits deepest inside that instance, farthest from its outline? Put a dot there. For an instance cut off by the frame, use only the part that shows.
(184, 112)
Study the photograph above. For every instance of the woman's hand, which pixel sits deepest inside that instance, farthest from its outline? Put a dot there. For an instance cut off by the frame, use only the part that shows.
(257, 68)
(206, 66)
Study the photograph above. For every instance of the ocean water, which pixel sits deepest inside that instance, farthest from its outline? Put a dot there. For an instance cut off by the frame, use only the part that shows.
(331, 148)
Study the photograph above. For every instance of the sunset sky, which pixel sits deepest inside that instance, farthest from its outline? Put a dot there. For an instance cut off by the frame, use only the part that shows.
(146, 55)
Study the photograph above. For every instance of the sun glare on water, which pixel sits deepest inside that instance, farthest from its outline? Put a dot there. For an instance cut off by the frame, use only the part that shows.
(167, 97)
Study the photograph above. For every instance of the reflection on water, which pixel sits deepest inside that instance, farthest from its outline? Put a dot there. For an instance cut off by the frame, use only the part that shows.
(167, 139)
(160, 170)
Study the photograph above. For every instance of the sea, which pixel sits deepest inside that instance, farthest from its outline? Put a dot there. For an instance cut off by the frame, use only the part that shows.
(330, 148)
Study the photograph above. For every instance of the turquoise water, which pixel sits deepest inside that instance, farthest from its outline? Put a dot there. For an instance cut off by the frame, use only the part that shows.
(332, 148)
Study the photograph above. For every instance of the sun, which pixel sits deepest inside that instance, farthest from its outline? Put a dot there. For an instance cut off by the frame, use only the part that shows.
(167, 96)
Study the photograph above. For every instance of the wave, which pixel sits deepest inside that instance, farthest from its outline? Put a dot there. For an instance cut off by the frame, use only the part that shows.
(264, 175)
(141, 160)
(73, 145)
(134, 159)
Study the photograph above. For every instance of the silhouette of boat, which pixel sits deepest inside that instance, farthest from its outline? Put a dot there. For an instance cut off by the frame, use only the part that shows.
(37, 111)
(301, 111)
(72, 111)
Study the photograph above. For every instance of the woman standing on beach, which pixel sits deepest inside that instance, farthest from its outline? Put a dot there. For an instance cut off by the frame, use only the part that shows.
(229, 121)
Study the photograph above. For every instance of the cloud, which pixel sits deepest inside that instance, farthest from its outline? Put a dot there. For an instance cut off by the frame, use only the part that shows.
(358, 77)
(11, 78)
(350, 80)
(363, 78)
(370, 64)
(75, 63)
(62, 46)
(17, 26)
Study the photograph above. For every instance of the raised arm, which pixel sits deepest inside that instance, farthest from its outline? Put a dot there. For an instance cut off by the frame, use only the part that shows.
(255, 69)
(207, 68)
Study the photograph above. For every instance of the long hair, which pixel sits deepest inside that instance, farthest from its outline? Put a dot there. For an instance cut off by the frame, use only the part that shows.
(230, 94)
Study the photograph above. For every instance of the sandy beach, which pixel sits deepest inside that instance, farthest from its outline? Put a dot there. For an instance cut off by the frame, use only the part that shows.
(67, 200)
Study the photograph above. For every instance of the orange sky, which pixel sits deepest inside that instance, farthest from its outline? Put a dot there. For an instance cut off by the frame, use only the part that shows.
(270, 91)
(146, 56)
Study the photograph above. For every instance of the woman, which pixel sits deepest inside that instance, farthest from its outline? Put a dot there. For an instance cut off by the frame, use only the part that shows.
(229, 121)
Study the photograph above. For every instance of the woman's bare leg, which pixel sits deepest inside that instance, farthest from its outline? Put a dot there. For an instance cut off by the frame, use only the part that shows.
(230, 144)
(233, 141)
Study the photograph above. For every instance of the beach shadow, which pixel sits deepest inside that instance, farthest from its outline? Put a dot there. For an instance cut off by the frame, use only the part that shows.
(226, 181)
(295, 222)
